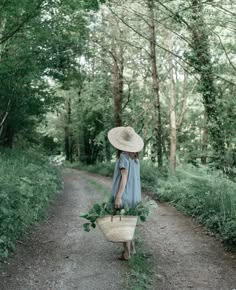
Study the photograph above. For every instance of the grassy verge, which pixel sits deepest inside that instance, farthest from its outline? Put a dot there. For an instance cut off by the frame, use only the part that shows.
(27, 185)
(201, 193)
(205, 195)
(141, 268)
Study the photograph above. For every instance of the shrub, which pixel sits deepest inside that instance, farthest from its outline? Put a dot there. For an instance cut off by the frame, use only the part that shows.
(27, 184)
(206, 195)
(149, 175)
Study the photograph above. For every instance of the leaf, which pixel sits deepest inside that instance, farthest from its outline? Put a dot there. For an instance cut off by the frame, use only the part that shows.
(86, 227)
(4, 210)
(122, 212)
(93, 225)
(152, 204)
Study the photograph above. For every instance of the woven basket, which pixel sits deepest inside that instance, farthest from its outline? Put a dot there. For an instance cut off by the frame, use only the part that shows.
(118, 228)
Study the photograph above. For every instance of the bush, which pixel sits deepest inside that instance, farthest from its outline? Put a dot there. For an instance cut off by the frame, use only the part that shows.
(206, 195)
(149, 175)
(27, 184)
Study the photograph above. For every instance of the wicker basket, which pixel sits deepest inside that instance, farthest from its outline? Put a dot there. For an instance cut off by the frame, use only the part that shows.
(118, 228)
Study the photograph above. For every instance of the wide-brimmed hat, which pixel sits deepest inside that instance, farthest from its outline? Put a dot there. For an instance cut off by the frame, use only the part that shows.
(125, 139)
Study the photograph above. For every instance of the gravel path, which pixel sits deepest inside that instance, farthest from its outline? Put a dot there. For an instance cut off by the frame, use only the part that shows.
(59, 255)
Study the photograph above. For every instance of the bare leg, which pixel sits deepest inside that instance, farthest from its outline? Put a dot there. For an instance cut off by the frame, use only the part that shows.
(132, 247)
(126, 250)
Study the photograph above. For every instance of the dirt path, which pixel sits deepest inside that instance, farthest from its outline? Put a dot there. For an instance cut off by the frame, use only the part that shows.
(59, 255)
(185, 257)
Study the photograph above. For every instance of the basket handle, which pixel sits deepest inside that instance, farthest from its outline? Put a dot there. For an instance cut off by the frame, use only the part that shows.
(113, 216)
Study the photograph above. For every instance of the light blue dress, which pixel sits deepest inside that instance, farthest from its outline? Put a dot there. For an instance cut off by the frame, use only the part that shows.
(132, 192)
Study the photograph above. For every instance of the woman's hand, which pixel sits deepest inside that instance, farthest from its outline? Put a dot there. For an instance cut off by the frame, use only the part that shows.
(118, 202)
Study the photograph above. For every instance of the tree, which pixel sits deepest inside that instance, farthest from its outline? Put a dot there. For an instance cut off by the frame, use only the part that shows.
(47, 30)
(201, 60)
(155, 86)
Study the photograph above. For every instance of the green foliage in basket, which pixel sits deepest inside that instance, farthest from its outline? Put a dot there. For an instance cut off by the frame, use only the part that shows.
(142, 210)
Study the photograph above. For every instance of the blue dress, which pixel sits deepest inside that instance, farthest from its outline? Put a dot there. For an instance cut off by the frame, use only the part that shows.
(132, 192)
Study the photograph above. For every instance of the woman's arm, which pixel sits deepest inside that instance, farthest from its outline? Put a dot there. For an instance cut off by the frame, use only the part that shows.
(124, 177)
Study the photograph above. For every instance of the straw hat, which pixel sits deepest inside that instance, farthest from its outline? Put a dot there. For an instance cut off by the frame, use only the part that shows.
(125, 139)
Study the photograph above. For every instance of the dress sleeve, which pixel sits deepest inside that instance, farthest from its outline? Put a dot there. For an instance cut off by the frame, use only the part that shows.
(124, 162)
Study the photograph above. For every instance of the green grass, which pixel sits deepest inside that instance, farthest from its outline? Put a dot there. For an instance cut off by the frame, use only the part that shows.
(27, 185)
(141, 268)
(205, 195)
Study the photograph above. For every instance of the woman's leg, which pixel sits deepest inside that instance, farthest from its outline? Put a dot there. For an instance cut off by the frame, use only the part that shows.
(132, 247)
(126, 253)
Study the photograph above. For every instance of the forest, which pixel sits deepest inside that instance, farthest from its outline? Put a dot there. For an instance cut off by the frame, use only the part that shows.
(70, 70)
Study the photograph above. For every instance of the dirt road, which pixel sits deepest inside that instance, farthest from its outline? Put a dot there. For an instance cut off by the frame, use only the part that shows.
(59, 255)
(184, 255)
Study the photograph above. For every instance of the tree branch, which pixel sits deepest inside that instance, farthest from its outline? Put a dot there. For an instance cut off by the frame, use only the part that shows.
(128, 99)
(184, 101)
(4, 117)
(164, 48)
(15, 30)
(226, 54)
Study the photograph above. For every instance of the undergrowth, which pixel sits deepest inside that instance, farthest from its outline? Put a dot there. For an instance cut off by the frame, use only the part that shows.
(205, 195)
(27, 184)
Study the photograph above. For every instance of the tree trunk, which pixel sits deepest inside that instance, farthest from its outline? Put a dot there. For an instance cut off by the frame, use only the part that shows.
(3, 115)
(68, 133)
(155, 87)
(2, 28)
(204, 142)
(8, 136)
(173, 132)
(203, 66)
(117, 84)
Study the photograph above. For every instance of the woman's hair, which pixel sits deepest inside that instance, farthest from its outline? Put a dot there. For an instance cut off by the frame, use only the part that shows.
(132, 155)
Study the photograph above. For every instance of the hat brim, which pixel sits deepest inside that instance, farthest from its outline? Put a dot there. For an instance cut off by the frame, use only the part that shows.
(115, 138)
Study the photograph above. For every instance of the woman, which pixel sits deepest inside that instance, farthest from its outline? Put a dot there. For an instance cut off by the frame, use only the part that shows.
(126, 187)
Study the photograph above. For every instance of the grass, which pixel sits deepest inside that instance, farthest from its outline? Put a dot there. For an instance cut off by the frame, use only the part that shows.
(28, 183)
(141, 268)
(205, 195)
